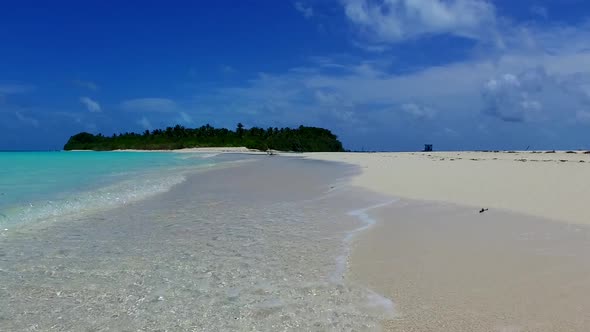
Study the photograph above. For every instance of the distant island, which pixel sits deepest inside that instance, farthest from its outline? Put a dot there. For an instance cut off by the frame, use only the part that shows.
(301, 139)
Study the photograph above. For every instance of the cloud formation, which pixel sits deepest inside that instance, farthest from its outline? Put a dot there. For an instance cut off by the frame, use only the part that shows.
(540, 83)
(397, 20)
(511, 98)
(533, 81)
(91, 105)
(306, 11)
(156, 105)
(536, 95)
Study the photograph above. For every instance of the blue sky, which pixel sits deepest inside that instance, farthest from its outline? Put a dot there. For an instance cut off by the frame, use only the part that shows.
(381, 74)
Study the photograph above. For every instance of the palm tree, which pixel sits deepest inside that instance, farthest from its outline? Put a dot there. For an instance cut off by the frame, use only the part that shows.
(240, 130)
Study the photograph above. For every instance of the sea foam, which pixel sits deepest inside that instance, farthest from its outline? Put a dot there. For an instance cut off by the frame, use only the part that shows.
(375, 301)
(112, 196)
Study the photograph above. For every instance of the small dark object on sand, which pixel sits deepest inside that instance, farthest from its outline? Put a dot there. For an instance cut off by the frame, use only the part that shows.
(483, 210)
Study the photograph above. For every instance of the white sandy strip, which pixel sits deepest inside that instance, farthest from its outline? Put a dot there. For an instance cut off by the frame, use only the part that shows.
(550, 185)
(207, 150)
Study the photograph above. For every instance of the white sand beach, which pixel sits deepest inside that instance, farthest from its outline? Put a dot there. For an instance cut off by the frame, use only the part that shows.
(548, 185)
(199, 150)
(523, 265)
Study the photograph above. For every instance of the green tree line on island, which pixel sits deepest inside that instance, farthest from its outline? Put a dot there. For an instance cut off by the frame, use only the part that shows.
(301, 139)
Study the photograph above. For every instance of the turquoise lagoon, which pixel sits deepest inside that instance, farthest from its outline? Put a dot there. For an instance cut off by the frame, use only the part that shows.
(41, 186)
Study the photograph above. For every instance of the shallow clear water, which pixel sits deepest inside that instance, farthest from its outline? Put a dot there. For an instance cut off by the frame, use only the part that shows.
(39, 185)
(258, 247)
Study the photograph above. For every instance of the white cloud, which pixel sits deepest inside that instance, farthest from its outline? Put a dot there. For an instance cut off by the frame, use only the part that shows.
(306, 11)
(91, 105)
(544, 84)
(534, 95)
(149, 105)
(396, 20)
(376, 85)
(145, 123)
(516, 86)
(27, 119)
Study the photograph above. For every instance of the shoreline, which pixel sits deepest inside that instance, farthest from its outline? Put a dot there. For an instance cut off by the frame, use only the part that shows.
(187, 150)
(102, 193)
(447, 267)
(203, 252)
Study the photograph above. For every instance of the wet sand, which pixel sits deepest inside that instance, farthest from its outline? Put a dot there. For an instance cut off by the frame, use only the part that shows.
(523, 265)
(450, 268)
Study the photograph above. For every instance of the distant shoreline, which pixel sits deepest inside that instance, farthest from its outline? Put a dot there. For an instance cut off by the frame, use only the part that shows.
(245, 149)
(185, 150)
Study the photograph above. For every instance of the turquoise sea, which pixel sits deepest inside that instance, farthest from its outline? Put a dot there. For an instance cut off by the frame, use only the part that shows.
(39, 186)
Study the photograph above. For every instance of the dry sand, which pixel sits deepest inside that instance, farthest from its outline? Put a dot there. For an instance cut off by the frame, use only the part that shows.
(549, 185)
(450, 268)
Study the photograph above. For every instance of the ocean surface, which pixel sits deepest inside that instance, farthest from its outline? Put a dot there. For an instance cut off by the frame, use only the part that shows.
(36, 186)
(251, 246)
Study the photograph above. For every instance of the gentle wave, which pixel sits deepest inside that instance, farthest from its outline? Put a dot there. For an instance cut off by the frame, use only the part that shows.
(361, 215)
(375, 301)
(108, 197)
